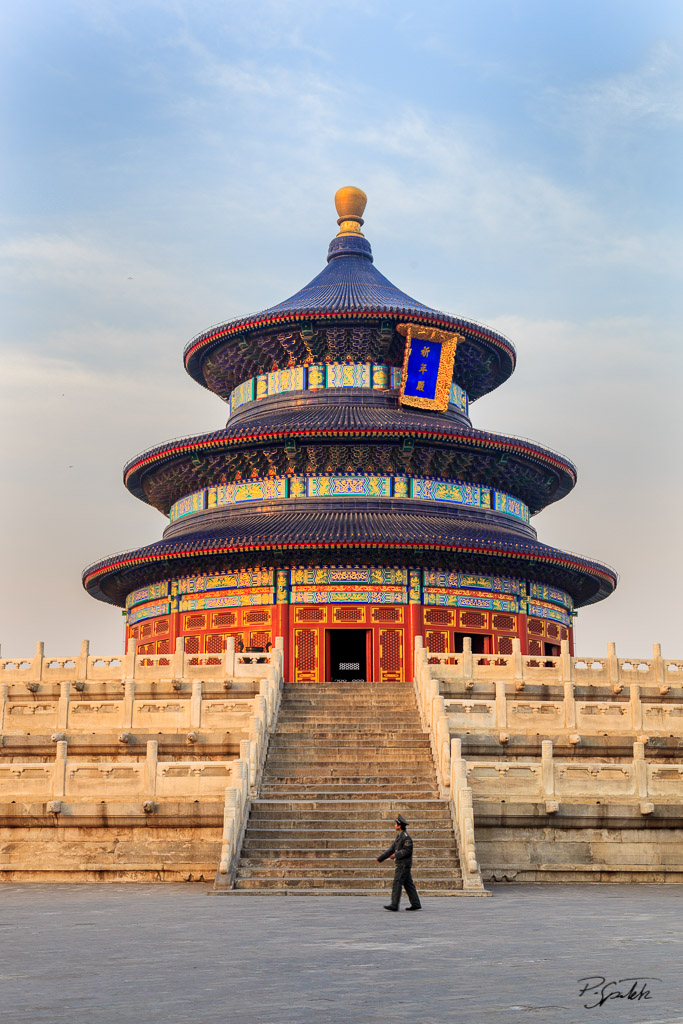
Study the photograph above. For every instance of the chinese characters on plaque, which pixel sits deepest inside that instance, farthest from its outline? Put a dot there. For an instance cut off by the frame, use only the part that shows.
(427, 366)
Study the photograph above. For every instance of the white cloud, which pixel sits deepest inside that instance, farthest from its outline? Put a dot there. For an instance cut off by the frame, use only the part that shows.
(619, 109)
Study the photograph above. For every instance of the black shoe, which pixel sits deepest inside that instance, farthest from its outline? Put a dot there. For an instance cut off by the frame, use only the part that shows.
(413, 908)
(391, 908)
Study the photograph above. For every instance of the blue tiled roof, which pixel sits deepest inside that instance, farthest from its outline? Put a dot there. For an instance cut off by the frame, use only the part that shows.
(351, 282)
(351, 285)
(445, 540)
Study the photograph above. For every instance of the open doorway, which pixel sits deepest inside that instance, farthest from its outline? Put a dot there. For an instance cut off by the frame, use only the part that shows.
(481, 643)
(348, 655)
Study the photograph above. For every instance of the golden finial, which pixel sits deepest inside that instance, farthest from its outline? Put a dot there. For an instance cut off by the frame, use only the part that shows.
(350, 203)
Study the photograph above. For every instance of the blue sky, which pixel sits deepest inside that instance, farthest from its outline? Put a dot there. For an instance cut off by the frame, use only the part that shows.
(169, 165)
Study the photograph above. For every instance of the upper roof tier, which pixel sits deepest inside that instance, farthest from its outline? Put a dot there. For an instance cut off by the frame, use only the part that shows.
(348, 290)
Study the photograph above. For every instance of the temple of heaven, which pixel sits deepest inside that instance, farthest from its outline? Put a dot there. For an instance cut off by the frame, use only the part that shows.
(349, 505)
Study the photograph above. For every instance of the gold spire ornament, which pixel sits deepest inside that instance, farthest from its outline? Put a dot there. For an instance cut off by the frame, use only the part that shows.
(427, 366)
(350, 203)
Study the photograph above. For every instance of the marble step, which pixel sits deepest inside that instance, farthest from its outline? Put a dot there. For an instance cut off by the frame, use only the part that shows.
(446, 882)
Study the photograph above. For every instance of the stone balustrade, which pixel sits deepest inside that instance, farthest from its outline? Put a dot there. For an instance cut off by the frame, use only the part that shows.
(554, 782)
(582, 671)
(73, 713)
(630, 715)
(450, 773)
(644, 697)
(133, 666)
(75, 781)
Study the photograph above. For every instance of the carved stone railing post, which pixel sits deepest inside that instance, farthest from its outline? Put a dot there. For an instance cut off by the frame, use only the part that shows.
(229, 657)
(82, 663)
(501, 706)
(196, 705)
(231, 813)
(636, 708)
(548, 775)
(151, 766)
(59, 771)
(613, 663)
(128, 703)
(63, 705)
(566, 662)
(658, 664)
(640, 771)
(130, 659)
(467, 659)
(246, 754)
(569, 706)
(517, 662)
(37, 664)
(178, 669)
(4, 690)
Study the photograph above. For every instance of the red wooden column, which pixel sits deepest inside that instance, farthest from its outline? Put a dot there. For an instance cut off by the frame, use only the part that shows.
(281, 620)
(415, 620)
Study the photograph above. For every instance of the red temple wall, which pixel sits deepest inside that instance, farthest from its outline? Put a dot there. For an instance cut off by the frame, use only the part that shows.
(391, 632)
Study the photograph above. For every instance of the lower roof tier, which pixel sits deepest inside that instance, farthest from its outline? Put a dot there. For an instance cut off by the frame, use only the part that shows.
(373, 537)
(346, 436)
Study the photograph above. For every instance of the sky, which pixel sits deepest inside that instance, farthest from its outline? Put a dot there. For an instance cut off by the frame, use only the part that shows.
(169, 165)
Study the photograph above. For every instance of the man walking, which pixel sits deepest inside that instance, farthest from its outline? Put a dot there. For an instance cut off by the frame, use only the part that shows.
(401, 851)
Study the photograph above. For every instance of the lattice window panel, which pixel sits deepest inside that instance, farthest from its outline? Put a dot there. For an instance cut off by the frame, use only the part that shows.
(135, 632)
(191, 645)
(163, 646)
(215, 643)
(146, 630)
(437, 642)
(219, 619)
(258, 615)
(348, 615)
(195, 622)
(438, 617)
(305, 655)
(310, 615)
(505, 645)
(564, 632)
(387, 615)
(535, 647)
(161, 627)
(261, 638)
(391, 655)
(147, 649)
(475, 620)
(505, 623)
(552, 630)
(535, 626)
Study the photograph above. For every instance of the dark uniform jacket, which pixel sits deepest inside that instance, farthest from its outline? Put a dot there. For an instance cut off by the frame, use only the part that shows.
(402, 849)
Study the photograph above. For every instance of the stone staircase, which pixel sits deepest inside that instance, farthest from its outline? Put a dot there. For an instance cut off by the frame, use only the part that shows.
(344, 760)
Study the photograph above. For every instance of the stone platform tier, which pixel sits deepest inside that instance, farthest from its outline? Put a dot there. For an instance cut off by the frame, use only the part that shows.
(344, 760)
(572, 766)
(129, 768)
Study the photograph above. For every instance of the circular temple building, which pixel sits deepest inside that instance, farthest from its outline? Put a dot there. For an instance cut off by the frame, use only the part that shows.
(349, 505)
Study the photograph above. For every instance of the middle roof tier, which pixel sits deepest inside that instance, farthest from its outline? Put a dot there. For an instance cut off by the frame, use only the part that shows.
(330, 433)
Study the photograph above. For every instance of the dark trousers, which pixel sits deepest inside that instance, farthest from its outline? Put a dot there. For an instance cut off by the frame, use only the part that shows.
(403, 879)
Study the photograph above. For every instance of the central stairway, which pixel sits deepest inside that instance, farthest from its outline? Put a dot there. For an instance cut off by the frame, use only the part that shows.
(344, 760)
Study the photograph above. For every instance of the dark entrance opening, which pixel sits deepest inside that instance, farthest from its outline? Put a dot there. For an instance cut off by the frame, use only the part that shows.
(348, 655)
(481, 643)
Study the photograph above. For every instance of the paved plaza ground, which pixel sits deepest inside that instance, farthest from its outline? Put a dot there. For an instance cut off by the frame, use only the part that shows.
(114, 954)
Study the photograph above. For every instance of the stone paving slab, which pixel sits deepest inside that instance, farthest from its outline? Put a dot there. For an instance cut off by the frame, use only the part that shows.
(147, 954)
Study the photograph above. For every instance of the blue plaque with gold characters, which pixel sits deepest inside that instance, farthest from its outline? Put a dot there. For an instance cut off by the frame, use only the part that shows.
(427, 366)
